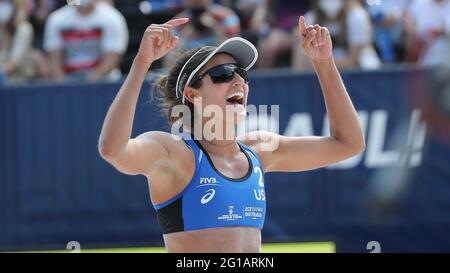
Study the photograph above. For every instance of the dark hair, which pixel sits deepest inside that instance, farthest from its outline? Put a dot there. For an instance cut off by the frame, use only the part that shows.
(166, 86)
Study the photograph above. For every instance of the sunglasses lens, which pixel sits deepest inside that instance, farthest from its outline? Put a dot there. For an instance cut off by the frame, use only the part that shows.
(221, 74)
(225, 73)
(243, 73)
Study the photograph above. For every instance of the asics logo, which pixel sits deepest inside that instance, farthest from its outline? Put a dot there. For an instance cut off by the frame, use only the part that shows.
(208, 196)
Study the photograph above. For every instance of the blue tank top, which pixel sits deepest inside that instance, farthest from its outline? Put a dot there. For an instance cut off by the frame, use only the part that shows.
(212, 200)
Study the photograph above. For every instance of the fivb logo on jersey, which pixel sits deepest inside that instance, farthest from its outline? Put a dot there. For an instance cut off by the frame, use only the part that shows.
(208, 181)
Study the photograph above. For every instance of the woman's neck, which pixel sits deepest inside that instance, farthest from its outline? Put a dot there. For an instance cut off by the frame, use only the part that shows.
(217, 141)
(221, 148)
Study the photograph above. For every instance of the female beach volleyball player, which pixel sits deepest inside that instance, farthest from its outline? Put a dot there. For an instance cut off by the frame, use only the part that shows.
(209, 193)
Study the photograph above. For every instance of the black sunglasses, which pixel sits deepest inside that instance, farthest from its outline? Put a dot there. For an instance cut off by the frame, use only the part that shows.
(221, 73)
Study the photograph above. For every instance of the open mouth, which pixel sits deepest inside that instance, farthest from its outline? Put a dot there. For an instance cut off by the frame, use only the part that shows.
(236, 98)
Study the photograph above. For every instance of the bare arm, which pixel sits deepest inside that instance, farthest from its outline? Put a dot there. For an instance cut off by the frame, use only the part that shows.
(347, 137)
(136, 156)
(22, 41)
(346, 140)
(56, 63)
(110, 60)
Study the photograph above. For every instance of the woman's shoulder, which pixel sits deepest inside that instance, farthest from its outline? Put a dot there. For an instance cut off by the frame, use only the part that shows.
(172, 143)
(177, 153)
(161, 137)
(261, 142)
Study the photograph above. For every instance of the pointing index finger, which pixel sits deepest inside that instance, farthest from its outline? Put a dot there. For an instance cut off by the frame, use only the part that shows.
(302, 25)
(178, 22)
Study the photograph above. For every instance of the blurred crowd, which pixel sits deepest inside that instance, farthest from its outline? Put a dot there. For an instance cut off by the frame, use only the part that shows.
(91, 40)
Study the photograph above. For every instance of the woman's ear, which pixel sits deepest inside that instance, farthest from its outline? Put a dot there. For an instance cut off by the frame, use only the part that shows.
(190, 94)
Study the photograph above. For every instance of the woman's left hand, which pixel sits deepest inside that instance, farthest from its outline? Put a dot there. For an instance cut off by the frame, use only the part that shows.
(316, 41)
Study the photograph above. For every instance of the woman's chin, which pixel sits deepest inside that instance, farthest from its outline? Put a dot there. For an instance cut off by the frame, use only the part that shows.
(240, 117)
(239, 112)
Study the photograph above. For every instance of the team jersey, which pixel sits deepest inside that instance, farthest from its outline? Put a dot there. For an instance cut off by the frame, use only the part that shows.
(212, 200)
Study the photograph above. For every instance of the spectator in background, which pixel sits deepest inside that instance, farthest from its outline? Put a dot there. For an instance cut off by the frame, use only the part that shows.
(37, 12)
(16, 38)
(210, 24)
(351, 32)
(274, 21)
(388, 29)
(40, 9)
(86, 41)
(428, 25)
(245, 10)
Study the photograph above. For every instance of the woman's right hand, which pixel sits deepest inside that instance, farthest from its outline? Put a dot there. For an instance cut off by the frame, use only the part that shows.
(158, 40)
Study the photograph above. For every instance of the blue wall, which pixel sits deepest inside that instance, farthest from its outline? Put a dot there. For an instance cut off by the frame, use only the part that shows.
(54, 187)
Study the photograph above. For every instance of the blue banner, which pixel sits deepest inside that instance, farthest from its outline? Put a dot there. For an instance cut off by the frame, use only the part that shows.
(55, 188)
